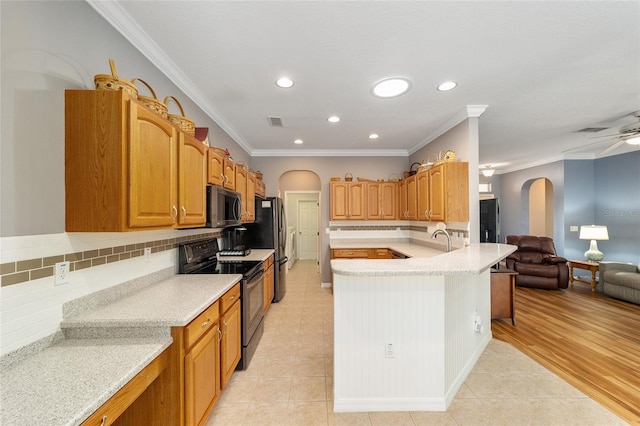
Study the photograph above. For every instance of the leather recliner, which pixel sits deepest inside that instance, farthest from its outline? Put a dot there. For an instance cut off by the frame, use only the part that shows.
(536, 263)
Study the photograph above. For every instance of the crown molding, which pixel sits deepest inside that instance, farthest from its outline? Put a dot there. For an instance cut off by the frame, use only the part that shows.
(469, 111)
(330, 153)
(122, 22)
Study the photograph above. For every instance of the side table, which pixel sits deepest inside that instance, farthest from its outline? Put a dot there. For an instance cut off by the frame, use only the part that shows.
(503, 284)
(587, 266)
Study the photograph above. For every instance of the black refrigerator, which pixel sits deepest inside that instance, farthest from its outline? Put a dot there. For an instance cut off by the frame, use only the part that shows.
(269, 231)
(489, 221)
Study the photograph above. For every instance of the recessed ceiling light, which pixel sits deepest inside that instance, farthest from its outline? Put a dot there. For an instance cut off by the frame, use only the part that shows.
(333, 119)
(390, 87)
(447, 85)
(298, 141)
(373, 136)
(284, 82)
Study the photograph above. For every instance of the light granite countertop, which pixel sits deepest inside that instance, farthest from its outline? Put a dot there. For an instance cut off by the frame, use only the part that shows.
(66, 382)
(472, 259)
(171, 303)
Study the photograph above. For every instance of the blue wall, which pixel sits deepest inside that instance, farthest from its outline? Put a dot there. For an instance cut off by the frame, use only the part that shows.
(579, 204)
(601, 192)
(617, 205)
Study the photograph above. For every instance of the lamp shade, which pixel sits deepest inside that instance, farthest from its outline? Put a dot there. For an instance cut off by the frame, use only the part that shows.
(594, 232)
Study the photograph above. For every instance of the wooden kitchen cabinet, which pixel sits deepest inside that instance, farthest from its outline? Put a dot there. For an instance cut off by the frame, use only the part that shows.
(251, 197)
(229, 168)
(382, 200)
(269, 282)
(348, 200)
(230, 344)
(192, 182)
(261, 190)
(350, 253)
(126, 168)
(137, 401)
(215, 167)
(245, 186)
(202, 366)
(407, 194)
(443, 192)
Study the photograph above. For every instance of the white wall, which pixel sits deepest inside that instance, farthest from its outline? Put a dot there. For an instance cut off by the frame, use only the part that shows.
(48, 47)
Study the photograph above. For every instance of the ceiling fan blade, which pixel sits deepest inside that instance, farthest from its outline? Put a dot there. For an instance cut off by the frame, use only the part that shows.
(583, 146)
(613, 135)
(611, 148)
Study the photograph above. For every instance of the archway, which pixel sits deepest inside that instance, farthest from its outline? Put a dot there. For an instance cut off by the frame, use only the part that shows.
(538, 195)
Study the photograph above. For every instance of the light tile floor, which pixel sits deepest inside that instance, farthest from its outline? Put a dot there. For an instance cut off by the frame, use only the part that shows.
(290, 379)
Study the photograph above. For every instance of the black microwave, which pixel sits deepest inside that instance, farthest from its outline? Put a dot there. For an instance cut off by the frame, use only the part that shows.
(224, 207)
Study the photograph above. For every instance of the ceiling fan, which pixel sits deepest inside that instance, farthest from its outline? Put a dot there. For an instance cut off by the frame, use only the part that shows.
(629, 134)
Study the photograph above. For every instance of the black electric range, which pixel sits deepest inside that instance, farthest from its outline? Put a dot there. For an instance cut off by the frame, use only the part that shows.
(201, 257)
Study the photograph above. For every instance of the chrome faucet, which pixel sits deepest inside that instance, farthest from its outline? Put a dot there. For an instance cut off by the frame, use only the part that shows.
(443, 231)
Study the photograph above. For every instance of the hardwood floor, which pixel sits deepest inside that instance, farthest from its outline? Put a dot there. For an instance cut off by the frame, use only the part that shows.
(590, 340)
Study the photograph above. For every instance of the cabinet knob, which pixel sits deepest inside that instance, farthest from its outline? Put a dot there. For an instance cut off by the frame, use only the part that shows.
(204, 324)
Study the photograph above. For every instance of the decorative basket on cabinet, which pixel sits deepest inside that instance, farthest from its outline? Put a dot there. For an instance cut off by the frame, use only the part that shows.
(184, 123)
(113, 82)
(152, 103)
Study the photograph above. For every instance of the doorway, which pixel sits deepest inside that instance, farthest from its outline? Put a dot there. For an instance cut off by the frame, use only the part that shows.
(301, 190)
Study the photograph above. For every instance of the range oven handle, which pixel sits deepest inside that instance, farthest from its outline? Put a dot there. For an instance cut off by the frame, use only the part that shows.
(254, 279)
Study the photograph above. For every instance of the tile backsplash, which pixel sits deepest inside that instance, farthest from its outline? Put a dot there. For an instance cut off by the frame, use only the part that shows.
(32, 269)
(31, 306)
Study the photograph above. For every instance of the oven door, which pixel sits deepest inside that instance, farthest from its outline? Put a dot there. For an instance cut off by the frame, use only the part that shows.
(252, 306)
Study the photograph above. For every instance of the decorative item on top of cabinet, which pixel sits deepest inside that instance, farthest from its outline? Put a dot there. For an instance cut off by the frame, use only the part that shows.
(348, 200)
(126, 168)
(443, 192)
(183, 122)
(382, 200)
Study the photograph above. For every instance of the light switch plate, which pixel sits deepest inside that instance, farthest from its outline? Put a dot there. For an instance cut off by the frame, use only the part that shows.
(573, 228)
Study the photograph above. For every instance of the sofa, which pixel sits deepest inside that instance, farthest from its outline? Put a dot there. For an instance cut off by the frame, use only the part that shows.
(620, 280)
(536, 263)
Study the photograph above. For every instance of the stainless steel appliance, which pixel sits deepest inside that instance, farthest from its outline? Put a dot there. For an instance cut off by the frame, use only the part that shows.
(201, 258)
(224, 207)
(489, 221)
(269, 231)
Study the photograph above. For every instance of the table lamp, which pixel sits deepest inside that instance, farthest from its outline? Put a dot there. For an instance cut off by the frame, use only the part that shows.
(593, 233)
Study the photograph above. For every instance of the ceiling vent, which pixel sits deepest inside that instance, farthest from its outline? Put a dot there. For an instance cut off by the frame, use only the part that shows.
(275, 121)
(592, 129)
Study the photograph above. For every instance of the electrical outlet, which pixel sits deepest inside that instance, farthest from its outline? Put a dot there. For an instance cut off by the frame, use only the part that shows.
(477, 325)
(573, 228)
(61, 273)
(388, 350)
(147, 254)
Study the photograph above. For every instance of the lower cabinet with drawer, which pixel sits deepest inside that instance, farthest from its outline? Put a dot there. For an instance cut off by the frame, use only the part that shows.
(205, 353)
(202, 365)
(231, 344)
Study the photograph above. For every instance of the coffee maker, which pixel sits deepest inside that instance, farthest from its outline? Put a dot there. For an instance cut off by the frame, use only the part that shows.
(234, 241)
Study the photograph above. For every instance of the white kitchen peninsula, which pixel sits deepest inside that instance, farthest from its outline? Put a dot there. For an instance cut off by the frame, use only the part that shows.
(405, 334)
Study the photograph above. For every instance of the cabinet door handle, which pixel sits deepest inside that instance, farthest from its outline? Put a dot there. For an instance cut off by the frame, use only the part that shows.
(221, 177)
(184, 212)
(219, 335)
(175, 213)
(204, 324)
(104, 421)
